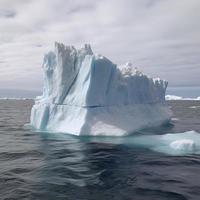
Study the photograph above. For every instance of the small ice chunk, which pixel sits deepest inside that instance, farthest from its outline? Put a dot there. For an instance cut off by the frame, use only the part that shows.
(183, 145)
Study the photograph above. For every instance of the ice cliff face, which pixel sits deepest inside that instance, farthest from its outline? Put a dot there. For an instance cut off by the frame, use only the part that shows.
(86, 94)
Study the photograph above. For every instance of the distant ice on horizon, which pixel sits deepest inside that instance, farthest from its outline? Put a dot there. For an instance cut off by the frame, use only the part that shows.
(174, 97)
(15, 98)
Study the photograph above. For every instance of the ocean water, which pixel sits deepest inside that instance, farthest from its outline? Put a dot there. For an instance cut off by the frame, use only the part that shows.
(143, 166)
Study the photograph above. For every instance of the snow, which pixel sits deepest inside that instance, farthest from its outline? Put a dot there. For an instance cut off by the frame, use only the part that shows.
(87, 94)
(174, 97)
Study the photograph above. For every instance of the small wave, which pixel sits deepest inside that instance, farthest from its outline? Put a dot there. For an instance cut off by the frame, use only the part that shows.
(161, 194)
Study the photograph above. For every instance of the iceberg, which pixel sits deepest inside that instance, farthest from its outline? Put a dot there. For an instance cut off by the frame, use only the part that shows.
(87, 94)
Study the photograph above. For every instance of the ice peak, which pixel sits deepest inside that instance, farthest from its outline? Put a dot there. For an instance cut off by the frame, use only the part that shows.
(85, 50)
(61, 46)
(129, 70)
(88, 49)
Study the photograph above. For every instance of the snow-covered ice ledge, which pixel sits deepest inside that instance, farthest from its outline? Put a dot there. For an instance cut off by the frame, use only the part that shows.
(86, 94)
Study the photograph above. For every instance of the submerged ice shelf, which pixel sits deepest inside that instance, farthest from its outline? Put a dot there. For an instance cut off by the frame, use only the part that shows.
(86, 94)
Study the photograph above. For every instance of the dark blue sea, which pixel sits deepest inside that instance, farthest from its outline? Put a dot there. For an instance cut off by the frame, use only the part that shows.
(51, 166)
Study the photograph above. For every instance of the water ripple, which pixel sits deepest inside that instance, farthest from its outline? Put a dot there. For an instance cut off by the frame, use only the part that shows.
(51, 166)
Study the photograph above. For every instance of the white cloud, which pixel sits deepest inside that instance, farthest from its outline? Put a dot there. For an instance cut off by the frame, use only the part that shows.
(161, 37)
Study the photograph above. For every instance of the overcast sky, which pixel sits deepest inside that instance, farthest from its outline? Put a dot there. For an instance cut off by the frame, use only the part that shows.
(160, 37)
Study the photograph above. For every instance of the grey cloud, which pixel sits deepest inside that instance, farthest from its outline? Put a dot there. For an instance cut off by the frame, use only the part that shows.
(7, 13)
(161, 37)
